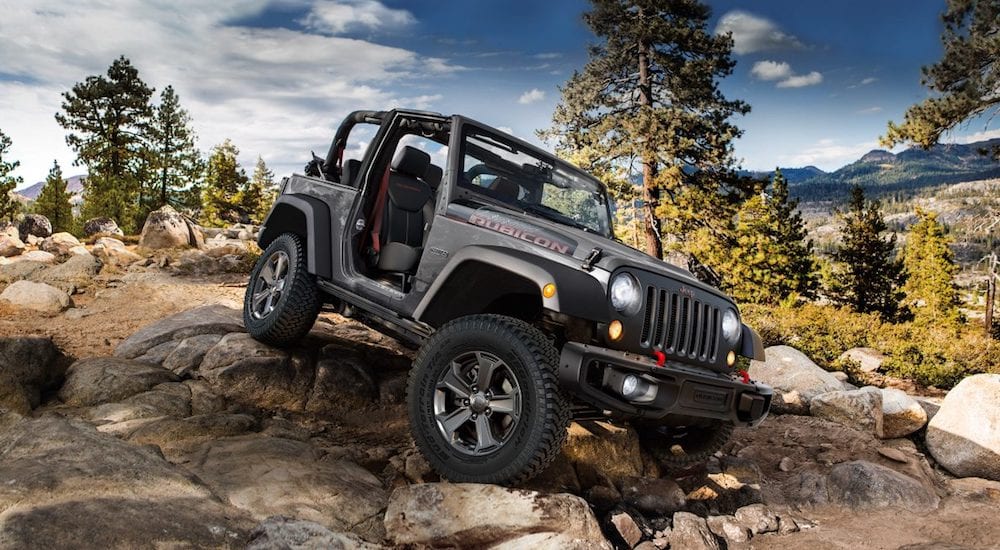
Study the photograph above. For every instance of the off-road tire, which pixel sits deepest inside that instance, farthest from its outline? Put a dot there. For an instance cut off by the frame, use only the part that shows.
(297, 306)
(540, 431)
(694, 446)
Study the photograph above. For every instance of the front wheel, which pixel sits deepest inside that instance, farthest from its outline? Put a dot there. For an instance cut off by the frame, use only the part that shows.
(484, 403)
(282, 301)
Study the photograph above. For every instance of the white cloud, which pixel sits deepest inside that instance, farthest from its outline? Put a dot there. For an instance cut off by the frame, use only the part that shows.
(801, 81)
(278, 92)
(752, 33)
(771, 70)
(533, 95)
(340, 16)
(870, 110)
(982, 135)
(863, 82)
(548, 55)
(781, 71)
(828, 154)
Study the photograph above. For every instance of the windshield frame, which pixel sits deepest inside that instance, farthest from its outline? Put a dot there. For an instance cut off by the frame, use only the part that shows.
(459, 191)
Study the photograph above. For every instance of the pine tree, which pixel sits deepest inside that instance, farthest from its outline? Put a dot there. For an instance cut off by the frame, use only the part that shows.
(224, 181)
(966, 79)
(9, 207)
(870, 277)
(771, 259)
(53, 201)
(650, 91)
(256, 198)
(176, 162)
(108, 119)
(930, 268)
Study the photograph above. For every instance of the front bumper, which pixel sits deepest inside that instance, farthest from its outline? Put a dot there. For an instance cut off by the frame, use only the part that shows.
(680, 389)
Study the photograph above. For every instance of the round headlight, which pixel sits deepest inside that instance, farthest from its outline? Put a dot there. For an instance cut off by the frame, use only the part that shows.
(625, 294)
(731, 326)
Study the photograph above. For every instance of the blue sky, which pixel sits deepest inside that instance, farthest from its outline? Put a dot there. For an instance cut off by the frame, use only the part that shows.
(277, 75)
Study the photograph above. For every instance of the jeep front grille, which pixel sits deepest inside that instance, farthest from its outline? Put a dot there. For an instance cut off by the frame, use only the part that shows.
(680, 325)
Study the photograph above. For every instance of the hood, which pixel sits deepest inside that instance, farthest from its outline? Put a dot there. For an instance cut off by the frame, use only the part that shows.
(614, 254)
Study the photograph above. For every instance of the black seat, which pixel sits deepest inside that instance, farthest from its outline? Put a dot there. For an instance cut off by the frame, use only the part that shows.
(403, 220)
(350, 172)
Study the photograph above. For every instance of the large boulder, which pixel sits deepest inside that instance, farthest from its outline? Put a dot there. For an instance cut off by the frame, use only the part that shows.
(168, 228)
(76, 272)
(101, 226)
(252, 373)
(23, 269)
(63, 484)
(38, 256)
(36, 296)
(692, 532)
(279, 532)
(862, 485)
(964, 436)
(35, 225)
(113, 252)
(868, 359)
(209, 319)
(10, 246)
(479, 516)
(108, 379)
(791, 373)
(901, 414)
(859, 409)
(60, 244)
(28, 366)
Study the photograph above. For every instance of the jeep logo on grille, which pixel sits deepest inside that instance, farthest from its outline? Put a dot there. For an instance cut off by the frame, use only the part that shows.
(685, 291)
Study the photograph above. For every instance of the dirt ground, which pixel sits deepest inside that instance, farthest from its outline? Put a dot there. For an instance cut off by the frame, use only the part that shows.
(118, 305)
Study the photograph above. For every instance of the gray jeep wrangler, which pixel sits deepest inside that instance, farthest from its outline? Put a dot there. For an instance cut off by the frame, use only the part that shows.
(502, 267)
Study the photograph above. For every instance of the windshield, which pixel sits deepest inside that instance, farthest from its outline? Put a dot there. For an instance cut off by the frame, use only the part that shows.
(503, 171)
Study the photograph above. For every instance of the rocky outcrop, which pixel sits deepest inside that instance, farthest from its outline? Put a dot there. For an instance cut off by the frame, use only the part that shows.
(859, 409)
(487, 516)
(114, 252)
(901, 414)
(76, 272)
(210, 319)
(167, 228)
(101, 226)
(60, 244)
(109, 379)
(36, 296)
(28, 366)
(861, 485)
(964, 436)
(279, 532)
(795, 378)
(35, 225)
(10, 246)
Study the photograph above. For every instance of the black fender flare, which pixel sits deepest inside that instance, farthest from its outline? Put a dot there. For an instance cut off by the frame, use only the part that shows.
(751, 345)
(307, 217)
(578, 293)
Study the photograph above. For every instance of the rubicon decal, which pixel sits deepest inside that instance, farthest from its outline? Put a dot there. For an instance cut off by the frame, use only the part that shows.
(525, 234)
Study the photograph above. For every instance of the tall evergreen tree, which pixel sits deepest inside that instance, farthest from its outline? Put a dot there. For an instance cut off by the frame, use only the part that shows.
(650, 91)
(53, 201)
(870, 277)
(108, 119)
(964, 82)
(771, 257)
(224, 181)
(9, 207)
(255, 200)
(930, 268)
(176, 161)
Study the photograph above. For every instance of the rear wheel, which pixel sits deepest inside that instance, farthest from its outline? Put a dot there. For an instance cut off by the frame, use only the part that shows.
(282, 301)
(686, 445)
(484, 403)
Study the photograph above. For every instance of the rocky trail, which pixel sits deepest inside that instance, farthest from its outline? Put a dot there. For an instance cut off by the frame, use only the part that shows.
(144, 416)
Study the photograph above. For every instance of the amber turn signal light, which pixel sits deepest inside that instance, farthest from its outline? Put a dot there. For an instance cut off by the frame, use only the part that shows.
(615, 330)
(549, 290)
(731, 358)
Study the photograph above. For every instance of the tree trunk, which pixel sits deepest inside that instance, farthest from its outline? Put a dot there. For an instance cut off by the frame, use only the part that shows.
(650, 193)
(991, 294)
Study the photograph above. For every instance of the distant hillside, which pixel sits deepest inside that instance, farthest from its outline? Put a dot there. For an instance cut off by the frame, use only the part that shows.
(792, 175)
(74, 184)
(904, 174)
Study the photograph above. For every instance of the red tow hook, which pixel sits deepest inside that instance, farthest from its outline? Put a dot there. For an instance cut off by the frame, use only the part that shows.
(661, 359)
(744, 375)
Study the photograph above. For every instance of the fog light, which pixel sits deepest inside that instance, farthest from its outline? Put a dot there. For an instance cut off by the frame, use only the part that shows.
(549, 290)
(615, 330)
(629, 385)
(731, 358)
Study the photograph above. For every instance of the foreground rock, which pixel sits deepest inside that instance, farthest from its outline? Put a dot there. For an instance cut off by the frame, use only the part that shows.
(901, 414)
(861, 485)
(35, 225)
(10, 246)
(795, 377)
(36, 296)
(113, 252)
(210, 319)
(167, 228)
(109, 379)
(28, 366)
(76, 272)
(268, 476)
(487, 516)
(62, 482)
(964, 436)
(60, 244)
(859, 409)
(279, 532)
